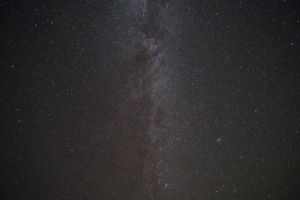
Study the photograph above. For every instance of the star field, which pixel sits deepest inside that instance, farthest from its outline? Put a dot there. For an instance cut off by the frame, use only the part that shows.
(150, 99)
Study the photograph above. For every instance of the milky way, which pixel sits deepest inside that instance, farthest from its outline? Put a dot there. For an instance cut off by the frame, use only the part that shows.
(149, 95)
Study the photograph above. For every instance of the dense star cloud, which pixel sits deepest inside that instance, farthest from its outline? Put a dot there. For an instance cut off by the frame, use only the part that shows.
(150, 99)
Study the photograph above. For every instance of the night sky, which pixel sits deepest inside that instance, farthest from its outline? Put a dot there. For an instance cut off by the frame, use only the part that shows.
(150, 99)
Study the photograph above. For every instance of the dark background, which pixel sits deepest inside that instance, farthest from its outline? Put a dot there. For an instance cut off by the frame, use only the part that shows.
(77, 101)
